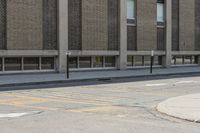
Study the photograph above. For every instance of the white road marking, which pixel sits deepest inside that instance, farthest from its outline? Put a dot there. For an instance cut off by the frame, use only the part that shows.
(186, 82)
(13, 115)
(152, 85)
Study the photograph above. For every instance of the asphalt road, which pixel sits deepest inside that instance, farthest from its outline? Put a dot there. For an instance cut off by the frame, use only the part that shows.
(120, 106)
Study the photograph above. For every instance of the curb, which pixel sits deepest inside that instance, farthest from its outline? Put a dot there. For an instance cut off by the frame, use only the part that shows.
(143, 77)
(164, 108)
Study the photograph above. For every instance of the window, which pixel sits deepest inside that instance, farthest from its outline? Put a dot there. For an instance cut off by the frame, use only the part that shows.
(98, 61)
(138, 60)
(73, 62)
(158, 60)
(1, 66)
(147, 60)
(187, 60)
(13, 64)
(131, 9)
(179, 60)
(184, 60)
(160, 11)
(85, 62)
(110, 61)
(31, 63)
(47, 63)
(130, 60)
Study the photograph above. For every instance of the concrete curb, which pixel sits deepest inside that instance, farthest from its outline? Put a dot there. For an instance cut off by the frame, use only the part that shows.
(100, 79)
(177, 108)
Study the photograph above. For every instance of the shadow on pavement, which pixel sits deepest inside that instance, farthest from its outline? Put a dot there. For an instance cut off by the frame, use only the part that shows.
(59, 84)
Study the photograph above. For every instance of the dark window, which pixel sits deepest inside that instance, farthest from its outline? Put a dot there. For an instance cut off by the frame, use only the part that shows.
(73, 62)
(195, 59)
(31, 63)
(13, 64)
(1, 66)
(158, 60)
(130, 60)
(147, 60)
(85, 62)
(98, 61)
(173, 61)
(47, 63)
(110, 61)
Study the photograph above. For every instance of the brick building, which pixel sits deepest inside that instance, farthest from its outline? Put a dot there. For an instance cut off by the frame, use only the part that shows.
(100, 34)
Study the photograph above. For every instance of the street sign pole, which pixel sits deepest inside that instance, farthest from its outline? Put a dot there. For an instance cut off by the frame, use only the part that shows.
(68, 54)
(152, 61)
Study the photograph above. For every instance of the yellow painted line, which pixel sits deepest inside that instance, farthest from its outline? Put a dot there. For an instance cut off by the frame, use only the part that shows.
(158, 93)
(31, 100)
(99, 109)
(70, 99)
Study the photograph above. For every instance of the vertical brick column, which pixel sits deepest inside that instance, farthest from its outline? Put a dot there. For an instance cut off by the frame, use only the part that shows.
(168, 33)
(63, 34)
(187, 25)
(123, 35)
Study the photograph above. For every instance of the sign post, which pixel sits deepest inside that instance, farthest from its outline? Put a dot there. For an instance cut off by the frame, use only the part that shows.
(152, 61)
(67, 73)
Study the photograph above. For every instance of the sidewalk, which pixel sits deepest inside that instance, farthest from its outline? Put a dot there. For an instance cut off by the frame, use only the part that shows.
(6, 80)
(184, 107)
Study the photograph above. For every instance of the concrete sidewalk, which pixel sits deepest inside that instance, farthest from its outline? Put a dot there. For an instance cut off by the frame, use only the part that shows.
(184, 107)
(6, 80)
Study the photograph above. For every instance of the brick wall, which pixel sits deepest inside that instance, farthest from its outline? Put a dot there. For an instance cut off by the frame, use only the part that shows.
(94, 25)
(187, 25)
(24, 25)
(146, 25)
(50, 24)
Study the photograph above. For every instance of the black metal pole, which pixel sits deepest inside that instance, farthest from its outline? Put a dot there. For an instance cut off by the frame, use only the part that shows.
(152, 62)
(67, 66)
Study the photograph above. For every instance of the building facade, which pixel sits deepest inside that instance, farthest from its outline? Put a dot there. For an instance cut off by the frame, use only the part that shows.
(35, 35)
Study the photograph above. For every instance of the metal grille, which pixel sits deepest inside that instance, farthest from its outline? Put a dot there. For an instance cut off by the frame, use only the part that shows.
(113, 24)
(197, 12)
(50, 24)
(2, 24)
(161, 39)
(175, 25)
(131, 38)
(74, 24)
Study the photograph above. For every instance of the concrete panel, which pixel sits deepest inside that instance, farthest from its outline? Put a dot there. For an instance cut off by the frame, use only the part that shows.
(94, 25)
(63, 34)
(2, 24)
(187, 25)
(146, 25)
(24, 25)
